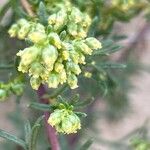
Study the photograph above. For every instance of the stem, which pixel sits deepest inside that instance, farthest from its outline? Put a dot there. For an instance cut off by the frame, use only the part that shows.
(135, 42)
(27, 7)
(51, 133)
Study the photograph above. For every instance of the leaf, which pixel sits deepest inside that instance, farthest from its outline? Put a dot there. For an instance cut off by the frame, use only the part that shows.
(35, 133)
(27, 129)
(74, 100)
(81, 114)
(39, 106)
(4, 66)
(13, 138)
(108, 47)
(107, 65)
(42, 13)
(86, 145)
(84, 103)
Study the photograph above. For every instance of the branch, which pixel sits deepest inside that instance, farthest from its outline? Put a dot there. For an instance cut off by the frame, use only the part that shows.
(51, 133)
(139, 37)
(27, 7)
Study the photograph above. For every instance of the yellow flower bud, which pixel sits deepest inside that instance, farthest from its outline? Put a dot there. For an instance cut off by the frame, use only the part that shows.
(35, 82)
(61, 17)
(52, 19)
(65, 55)
(72, 81)
(49, 56)
(72, 29)
(75, 15)
(63, 76)
(23, 31)
(56, 117)
(55, 40)
(81, 59)
(83, 48)
(74, 56)
(93, 43)
(3, 94)
(73, 68)
(59, 67)
(37, 37)
(13, 30)
(88, 74)
(65, 121)
(28, 55)
(36, 70)
(53, 80)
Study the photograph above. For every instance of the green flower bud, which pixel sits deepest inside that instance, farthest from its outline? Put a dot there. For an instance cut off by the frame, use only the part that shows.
(63, 76)
(36, 70)
(73, 68)
(86, 22)
(52, 19)
(81, 59)
(58, 67)
(39, 28)
(65, 55)
(65, 121)
(74, 56)
(81, 33)
(49, 56)
(72, 29)
(23, 31)
(83, 48)
(13, 30)
(75, 15)
(22, 22)
(56, 117)
(88, 74)
(28, 55)
(93, 43)
(72, 81)
(3, 94)
(37, 37)
(35, 82)
(55, 40)
(71, 124)
(61, 17)
(23, 68)
(53, 80)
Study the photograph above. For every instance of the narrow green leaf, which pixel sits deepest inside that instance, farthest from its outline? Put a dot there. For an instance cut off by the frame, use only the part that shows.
(42, 13)
(35, 133)
(107, 65)
(81, 114)
(27, 129)
(84, 103)
(39, 106)
(13, 138)
(86, 145)
(3, 66)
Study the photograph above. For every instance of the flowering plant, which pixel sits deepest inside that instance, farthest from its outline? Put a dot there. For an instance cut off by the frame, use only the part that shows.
(63, 44)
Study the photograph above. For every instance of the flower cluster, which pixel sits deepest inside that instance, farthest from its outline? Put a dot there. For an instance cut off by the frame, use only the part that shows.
(123, 4)
(65, 121)
(58, 49)
(16, 87)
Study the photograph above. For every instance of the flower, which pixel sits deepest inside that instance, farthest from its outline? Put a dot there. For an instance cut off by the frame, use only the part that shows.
(65, 121)
(58, 49)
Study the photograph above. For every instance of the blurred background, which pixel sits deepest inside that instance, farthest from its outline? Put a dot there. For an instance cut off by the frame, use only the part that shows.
(114, 122)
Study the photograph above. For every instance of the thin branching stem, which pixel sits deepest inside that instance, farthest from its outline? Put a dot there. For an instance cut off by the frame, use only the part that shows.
(51, 133)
